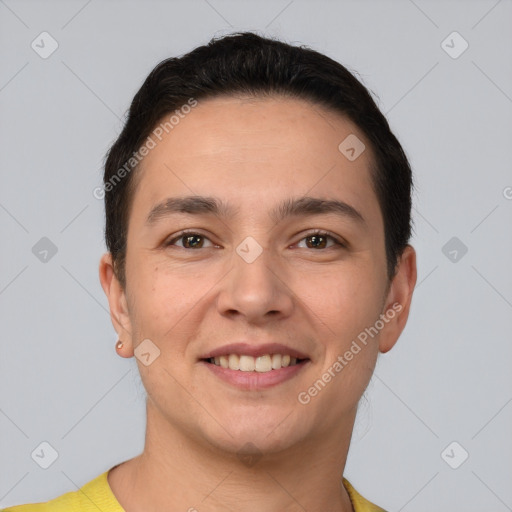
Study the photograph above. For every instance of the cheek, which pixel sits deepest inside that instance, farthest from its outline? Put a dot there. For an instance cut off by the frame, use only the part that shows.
(167, 300)
(343, 302)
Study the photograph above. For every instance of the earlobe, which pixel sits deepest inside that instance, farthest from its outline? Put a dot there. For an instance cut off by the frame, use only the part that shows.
(398, 301)
(116, 296)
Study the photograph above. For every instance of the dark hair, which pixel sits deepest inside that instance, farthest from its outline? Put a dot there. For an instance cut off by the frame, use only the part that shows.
(245, 63)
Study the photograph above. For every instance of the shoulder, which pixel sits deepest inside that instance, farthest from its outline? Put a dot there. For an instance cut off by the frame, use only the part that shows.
(67, 502)
(360, 503)
(93, 496)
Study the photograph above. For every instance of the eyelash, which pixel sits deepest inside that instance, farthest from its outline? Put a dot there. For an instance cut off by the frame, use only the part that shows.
(316, 232)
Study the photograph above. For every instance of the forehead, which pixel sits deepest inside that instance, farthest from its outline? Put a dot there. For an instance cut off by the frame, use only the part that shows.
(244, 125)
(246, 148)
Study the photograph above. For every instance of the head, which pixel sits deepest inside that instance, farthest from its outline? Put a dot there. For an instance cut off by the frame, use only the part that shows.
(250, 140)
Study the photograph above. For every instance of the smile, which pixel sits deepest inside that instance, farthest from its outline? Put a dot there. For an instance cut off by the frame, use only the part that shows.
(262, 364)
(255, 373)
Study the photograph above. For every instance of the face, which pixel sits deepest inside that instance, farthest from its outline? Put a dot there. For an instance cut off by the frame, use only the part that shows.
(250, 271)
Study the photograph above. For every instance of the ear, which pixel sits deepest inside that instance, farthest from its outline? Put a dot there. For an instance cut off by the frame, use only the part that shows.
(116, 296)
(398, 300)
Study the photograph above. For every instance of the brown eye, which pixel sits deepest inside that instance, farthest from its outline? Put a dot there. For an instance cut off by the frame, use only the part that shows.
(316, 241)
(188, 241)
(192, 241)
(320, 240)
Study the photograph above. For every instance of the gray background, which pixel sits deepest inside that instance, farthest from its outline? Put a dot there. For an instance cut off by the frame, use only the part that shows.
(448, 378)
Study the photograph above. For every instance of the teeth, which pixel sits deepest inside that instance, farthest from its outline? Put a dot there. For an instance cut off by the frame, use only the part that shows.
(247, 363)
(276, 361)
(234, 362)
(261, 364)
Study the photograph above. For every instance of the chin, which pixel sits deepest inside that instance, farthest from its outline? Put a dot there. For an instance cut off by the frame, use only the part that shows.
(261, 431)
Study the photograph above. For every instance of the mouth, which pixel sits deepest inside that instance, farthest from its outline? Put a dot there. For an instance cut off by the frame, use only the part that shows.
(261, 364)
(248, 373)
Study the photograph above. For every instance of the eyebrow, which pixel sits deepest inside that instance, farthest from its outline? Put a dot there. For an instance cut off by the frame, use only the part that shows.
(196, 205)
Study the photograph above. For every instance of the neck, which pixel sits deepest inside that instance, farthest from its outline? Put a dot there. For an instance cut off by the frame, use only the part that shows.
(176, 469)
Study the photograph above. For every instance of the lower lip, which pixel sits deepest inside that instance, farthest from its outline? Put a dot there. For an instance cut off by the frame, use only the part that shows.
(256, 380)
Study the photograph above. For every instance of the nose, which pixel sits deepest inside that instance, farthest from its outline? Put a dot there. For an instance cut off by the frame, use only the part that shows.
(257, 291)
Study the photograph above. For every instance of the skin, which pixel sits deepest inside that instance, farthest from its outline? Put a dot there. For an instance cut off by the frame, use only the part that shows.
(253, 154)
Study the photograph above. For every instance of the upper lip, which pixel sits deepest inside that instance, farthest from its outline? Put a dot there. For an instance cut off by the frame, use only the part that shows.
(251, 349)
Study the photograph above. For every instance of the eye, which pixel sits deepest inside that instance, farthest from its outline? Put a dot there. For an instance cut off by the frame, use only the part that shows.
(320, 239)
(190, 240)
(193, 240)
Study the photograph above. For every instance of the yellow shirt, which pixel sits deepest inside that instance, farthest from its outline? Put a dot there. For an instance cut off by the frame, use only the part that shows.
(97, 496)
